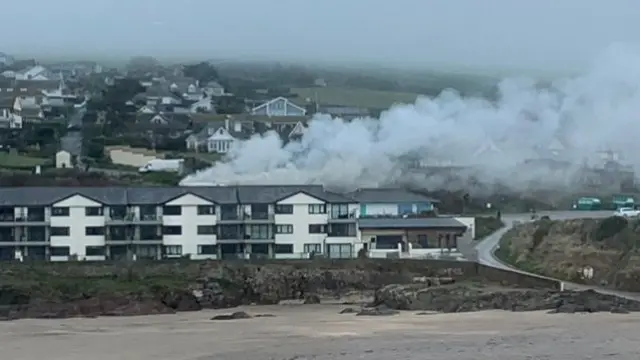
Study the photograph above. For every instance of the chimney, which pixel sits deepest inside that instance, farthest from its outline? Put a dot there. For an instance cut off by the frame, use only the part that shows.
(226, 123)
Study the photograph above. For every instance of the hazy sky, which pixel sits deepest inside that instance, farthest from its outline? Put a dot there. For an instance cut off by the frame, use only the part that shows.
(549, 34)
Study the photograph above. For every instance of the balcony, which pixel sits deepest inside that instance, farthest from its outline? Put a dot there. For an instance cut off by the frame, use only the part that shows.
(259, 218)
(23, 220)
(231, 217)
(341, 216)
(133, 219)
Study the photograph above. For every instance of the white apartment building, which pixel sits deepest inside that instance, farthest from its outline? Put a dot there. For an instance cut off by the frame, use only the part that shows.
(287, 222)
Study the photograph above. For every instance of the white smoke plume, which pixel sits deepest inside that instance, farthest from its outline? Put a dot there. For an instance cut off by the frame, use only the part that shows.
(489, 140)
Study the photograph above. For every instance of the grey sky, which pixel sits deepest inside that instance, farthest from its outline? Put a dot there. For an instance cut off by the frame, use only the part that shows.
(550, 34)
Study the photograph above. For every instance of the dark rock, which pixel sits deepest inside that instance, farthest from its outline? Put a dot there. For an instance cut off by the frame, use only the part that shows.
(377, 311)
(264, 315)
(233, 316)
(463, 299)
(181, 301)
(619, 310)
(348, 311)
(312, 299)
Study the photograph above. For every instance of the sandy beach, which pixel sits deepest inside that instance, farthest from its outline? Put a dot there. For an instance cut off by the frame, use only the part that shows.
(319, 332)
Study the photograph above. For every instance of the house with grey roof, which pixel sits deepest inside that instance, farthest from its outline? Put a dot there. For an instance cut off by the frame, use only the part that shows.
(275, 221)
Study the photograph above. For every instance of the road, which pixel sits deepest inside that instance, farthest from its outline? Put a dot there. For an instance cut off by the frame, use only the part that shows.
(486, 248)
(72, 141)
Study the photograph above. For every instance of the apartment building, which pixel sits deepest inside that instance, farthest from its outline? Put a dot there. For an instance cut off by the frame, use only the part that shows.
(67, 223)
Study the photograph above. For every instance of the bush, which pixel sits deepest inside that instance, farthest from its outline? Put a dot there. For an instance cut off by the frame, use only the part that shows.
(544, 226)
(610, 227)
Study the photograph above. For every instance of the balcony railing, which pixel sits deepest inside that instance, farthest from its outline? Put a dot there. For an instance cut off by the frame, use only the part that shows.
(229, 216)
(341, 215)
(134, 217)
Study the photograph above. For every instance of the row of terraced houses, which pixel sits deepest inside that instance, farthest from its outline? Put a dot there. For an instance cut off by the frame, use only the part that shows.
(66, 223)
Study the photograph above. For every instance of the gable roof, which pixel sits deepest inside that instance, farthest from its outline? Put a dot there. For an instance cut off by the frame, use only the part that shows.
(242, 194)
(280, 98)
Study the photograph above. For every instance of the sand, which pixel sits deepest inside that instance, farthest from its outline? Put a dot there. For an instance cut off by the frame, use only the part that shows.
(319, 332)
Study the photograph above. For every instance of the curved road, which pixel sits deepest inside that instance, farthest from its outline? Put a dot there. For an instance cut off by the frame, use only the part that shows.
(486, 248)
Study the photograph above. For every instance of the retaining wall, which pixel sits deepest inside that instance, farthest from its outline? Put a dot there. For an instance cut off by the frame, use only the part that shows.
(193, 269)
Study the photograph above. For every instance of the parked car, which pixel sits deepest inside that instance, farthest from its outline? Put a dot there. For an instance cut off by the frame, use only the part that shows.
(627, 212)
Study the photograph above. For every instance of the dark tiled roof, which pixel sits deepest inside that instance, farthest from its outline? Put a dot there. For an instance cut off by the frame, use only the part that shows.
(32, 196)
(36, 85)
(408, 223)
(390, 195)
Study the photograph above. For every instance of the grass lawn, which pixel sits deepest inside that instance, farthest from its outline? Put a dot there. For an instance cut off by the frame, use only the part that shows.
(355, 97)
(20, 161)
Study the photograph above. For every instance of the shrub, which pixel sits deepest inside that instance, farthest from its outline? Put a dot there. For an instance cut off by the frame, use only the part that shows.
(610, 227)
(544, 226)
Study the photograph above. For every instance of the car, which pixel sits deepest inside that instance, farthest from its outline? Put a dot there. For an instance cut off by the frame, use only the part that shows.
(627, 212)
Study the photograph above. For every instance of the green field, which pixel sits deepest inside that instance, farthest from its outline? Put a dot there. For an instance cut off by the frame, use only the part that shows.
(20, 161)
(354, 97)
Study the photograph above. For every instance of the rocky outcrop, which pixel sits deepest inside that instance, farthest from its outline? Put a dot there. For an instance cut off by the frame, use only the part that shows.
(16, 303)
(466, 298)
(235, 286)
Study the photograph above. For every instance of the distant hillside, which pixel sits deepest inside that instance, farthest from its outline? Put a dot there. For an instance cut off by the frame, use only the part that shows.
(564, 248)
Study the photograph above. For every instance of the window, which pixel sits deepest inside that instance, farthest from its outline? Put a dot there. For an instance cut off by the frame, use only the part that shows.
(339, 251)
(93, 211)
(284, 209)
(317, 209)
(94, 230)
(260, 231)
(59, 211)
(206, 210)
(404, 209)
(172, 230)
(173, 250)
(283, 249)
(94, 251)
(172, 210)
(423, 240)
(313, 248)
(207, 250)
(59, 231)
(317, 229)
(284, 229)
(60, 251)
(206, 229)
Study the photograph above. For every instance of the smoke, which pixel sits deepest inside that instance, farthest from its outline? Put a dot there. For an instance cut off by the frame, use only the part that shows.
(460, 142)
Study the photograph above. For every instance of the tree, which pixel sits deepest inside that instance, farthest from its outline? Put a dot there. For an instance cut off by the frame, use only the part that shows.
(142, 65)
(202, 71)
(230, 105)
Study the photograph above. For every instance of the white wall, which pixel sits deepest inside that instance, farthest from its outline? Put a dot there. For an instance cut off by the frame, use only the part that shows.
(189, 220)
(77, 221)
(300, 219)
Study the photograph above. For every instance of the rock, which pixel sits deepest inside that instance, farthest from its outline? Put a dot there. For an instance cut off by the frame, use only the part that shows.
(233, 316)
(348, 311)
(377, 311)
(181, 301)
(312, 299)
(264, 315)
(460, 298)
(619, 310)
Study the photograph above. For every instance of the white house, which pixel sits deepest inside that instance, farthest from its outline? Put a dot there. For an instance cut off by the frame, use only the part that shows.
(294, 221)
(220, 141)
(204, 105)
(63, 160)
(279, 107)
